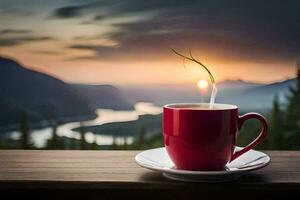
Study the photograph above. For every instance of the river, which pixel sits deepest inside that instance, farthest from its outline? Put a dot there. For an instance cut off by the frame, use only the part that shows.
(39, 137)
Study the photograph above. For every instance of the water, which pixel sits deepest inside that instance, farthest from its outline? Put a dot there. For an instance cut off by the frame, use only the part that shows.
(39, 137)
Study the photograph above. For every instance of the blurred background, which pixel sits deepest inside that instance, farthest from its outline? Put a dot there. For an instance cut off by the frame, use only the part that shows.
(95, 74)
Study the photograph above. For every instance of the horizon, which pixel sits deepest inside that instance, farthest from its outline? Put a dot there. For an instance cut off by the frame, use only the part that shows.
(153, 84)
(128, 42)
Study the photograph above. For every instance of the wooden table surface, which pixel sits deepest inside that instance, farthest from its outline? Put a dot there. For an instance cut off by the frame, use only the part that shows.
(114, 173)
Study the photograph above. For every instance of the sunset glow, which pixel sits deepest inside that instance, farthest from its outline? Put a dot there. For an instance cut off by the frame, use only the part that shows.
(75, 43)
(202, 84)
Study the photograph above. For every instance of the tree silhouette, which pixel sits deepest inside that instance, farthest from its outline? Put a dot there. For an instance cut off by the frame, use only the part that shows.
(82, 134)
(24, 129)
(95, 146)
(53, 142)
(141, 139)
(293, 107)
(73, 144)
(292, 121)
(125, 144)
(114, 145)
(276, 125)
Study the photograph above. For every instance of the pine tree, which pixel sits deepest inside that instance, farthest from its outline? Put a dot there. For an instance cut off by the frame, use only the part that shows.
(141, 139)
(24, 129)
(73, 144)
(114, 145)
(82, 134)
(276, 126)
(125, 144)
(292, 121)
(293, 107)
(54, 138)
(95, 146)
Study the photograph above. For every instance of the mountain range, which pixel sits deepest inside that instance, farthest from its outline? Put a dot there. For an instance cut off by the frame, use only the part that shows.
(258, 97)
(103, 96)
(247, 95)
(43, 97)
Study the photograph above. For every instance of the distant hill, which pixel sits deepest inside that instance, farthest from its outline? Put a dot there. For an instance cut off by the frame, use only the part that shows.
(247, 95)
(277, 87)
(236, 85)
(260, 97)
(39, 95)
(103, 96)
(176, 93)
(44, 97)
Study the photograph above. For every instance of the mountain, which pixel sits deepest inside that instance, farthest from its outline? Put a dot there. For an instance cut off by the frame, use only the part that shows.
(175, 93)
(247, 95)
(103, 96)
(261, 97)
(162, 94)
(42, 96)
(278, 87)
(236, 85)
(257, 98)
(39, 95)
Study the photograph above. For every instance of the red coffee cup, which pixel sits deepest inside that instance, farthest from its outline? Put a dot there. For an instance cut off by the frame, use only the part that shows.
(199, 138)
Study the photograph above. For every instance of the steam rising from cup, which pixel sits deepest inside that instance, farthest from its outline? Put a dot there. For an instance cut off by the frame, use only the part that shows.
(201, 83)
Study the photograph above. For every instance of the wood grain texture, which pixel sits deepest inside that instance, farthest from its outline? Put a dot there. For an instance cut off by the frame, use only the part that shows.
(116, 170)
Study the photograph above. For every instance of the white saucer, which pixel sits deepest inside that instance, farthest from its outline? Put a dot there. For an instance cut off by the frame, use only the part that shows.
(158, 160)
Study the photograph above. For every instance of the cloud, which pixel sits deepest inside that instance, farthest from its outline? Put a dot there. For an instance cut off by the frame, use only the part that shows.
(112, 8)
(235, 30)
(99, 17)
(102, 51)
(68, 12)
(47, 52)
(14, 37)
(14, 31)
(18, 40)
(76, 10)
(14, 12)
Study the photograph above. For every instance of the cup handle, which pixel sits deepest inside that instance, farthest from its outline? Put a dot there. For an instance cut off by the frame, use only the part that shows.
(262, 135)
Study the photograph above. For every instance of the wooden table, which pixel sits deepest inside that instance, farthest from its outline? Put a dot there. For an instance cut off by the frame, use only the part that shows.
(114, 174)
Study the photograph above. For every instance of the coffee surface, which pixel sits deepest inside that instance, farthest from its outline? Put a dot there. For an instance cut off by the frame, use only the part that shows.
(201, 106)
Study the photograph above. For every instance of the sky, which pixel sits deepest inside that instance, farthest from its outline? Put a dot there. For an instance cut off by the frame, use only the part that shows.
(128, 41)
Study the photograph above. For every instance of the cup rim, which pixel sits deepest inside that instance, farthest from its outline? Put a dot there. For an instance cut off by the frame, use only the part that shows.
(183, 106)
